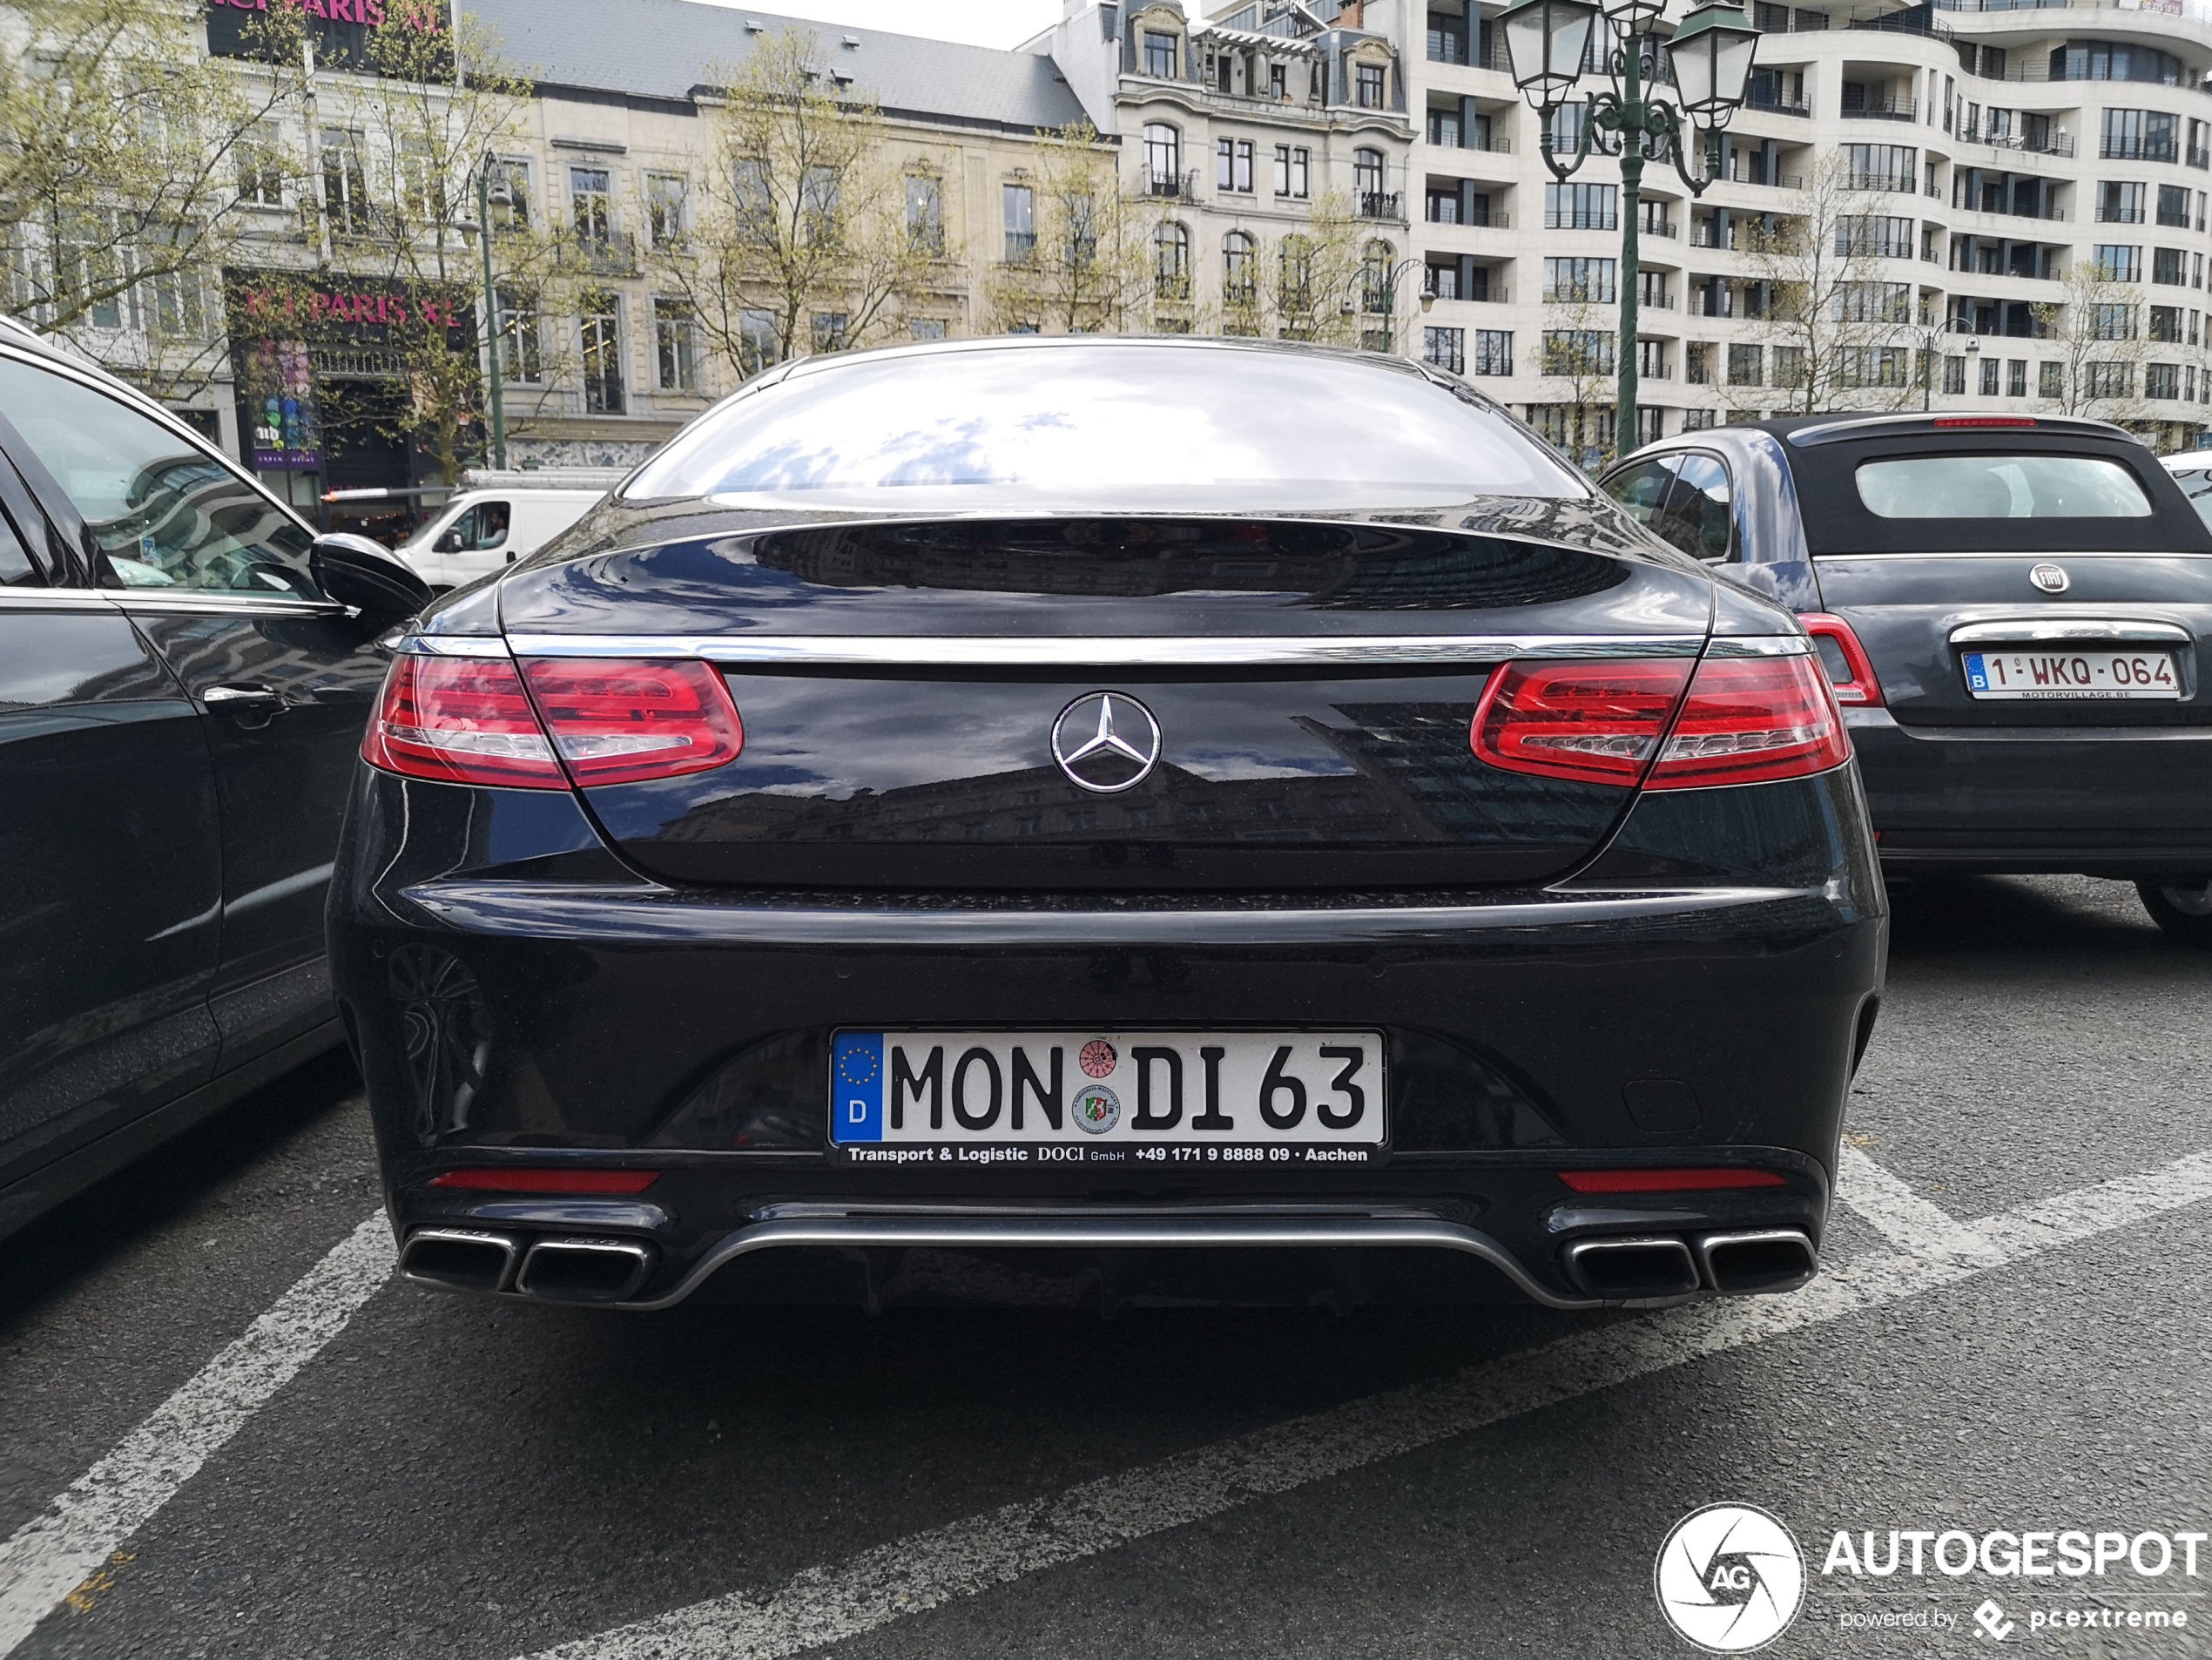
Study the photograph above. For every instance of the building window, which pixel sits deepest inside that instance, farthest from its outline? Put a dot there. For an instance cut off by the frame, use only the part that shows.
(345, 182)
(260, 167)
(1367, 182)
(513, 177)
(2120, 203)
(1881, 166)
(2139, 135)
(521, 342)
(2117, 262)
(758, 346)
(1873, 236)
(1163, 157)
(1987, 386)
(2162, 380)
(2169, 265)
(925, 213)
(601, 328)
(591, 205)
(2174, 207)
(1233, 166)
(1699, 420)
(676, 344)
(664, 194)
(2111, 320)
(925, 328)
(1159, 54)
(1172, 262)
(1367, 87)
(1444, 129)
(1746, 365)
(2109, 380)
(1445, 348)
(754, 203)
(1444, 279)
(1239, 282)
(832, 331)
(1293, 168)
(2166, 324)
(1378, 268)
(1579, 281)
(1493, 352)
(1954, 376)
(1294, 273)
(1575, 352)
(1018, 203)
(1789, 366)
(1581, 207)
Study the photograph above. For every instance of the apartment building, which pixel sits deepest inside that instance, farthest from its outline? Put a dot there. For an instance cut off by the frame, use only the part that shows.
(1986, 149)
(1233, 126)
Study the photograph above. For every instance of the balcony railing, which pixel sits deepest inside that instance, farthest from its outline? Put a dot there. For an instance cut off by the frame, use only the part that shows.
(2056, 144)
(1380, 204)
(2123, 217)
(1883, 110)
(1901, 185)
(1775, 106)
(1567, 220)
(2139, 150)
(1175, 187)
(1665, 228)
(614, 255)
(1740, 174)
(1496, 219)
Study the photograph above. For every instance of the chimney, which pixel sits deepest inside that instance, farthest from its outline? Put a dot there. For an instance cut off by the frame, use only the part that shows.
(1353, 14)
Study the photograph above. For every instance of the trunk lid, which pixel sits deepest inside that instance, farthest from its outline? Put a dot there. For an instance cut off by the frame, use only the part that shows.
(1308, 688)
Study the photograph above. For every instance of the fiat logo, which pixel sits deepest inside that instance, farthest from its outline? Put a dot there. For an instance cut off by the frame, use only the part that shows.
(2051, 579)
(1106, 742)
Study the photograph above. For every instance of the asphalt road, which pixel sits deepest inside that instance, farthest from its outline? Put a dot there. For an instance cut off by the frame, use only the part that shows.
(447, 1477)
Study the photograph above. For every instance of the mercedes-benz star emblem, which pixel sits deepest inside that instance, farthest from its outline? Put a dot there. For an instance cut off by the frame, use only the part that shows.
(1106, 742)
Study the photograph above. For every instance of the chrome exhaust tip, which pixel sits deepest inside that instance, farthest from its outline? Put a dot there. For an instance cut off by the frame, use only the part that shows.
(585, 1271)
(459, 1259)
(1760, 1260)
(1623, 1269)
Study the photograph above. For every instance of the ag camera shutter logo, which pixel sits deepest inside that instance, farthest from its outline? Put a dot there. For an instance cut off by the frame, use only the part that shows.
(1729, 1578)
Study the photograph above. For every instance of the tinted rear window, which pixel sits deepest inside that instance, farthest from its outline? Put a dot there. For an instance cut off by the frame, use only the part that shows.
(1110, 427)
(2000, 487)
(2197, 486)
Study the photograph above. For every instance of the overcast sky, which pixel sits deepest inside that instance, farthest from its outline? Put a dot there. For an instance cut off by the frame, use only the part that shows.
(985, 22)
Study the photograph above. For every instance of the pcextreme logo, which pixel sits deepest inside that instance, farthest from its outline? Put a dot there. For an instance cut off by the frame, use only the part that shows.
(1729, 1578)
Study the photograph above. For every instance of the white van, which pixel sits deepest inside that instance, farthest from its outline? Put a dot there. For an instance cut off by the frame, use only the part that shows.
(486, 527)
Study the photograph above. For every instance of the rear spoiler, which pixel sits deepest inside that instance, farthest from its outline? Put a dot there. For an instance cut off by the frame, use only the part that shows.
(1829, 432)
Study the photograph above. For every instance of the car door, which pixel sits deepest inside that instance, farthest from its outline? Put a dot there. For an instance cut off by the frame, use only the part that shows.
(111, 863)
(214, 574)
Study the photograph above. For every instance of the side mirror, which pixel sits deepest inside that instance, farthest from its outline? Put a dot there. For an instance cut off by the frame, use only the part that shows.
(355, 571)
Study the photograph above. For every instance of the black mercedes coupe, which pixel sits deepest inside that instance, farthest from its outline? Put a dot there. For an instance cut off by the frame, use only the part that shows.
(2009, 607)
(1108, 820)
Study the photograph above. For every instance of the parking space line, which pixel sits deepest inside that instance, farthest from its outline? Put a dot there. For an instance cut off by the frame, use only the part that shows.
(925, 1570)
(1904, 1217)
(52, 1554)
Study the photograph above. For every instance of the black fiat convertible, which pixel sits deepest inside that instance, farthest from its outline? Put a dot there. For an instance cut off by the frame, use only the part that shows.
(1108, 820)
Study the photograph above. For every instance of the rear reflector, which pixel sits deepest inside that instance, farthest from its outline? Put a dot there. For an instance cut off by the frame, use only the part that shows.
(1595, 723)
(1668, 1181)
(520, 1180)
(624, 722)
(1984, 421)
(1752, 720)
(468, 720)
(1851, 672)
(460, 720)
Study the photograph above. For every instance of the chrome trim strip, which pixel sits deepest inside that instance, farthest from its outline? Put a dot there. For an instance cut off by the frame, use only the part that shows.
(2070, 628)
(192, 602)
(452, 645)
(1759, 645)
(53, 599)
(1111, 652)
(2025, 558)
(1115, 1233)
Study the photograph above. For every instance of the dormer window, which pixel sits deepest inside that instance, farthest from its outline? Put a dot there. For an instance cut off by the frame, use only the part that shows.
(1367, 87)
(1159, 54)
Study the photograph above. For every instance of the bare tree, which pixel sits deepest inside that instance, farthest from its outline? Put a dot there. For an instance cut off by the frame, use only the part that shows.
(129, 159)
(1316, 271)
(1837, 321)
(1084, 262)
(2096, 336)
(806, 235)
(1580, 358)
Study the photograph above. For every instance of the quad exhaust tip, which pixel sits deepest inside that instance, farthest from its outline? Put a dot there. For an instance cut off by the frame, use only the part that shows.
(585, 1271)
(1630, 1268)
(460, 1259)
(1759, 1260)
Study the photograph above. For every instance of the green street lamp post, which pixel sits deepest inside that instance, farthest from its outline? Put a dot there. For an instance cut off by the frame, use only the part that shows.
(1548, 42)
(489, 193)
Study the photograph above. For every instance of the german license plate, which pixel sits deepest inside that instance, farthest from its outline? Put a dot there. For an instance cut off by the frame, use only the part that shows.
(1115, 1097)
(2048, 675)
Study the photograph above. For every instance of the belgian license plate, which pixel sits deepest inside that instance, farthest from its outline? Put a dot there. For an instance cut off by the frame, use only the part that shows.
(1112, 1098)
(2024, 675)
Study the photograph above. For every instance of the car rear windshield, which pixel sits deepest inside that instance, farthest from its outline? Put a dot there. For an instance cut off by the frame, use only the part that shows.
(1109, 426)
(2000, 487)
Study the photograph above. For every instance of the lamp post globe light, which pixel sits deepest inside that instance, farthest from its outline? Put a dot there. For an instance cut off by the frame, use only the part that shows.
(1711, 54)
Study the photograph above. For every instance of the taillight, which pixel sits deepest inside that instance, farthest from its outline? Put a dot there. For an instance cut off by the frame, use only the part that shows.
(460, 720)
(1594, 723)
(469, 720)
(1851, 672)
(1743, 720)
(525, 1179)
(1668, 1181)
(622, 722)
(1752, 720)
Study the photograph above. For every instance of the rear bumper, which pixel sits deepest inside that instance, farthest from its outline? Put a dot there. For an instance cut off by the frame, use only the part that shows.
(2113, 801)
(511, 1008)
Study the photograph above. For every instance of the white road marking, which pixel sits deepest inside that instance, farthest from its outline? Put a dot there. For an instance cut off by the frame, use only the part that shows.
(51, 1554)
(1907, 1220)
(925, 1570)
